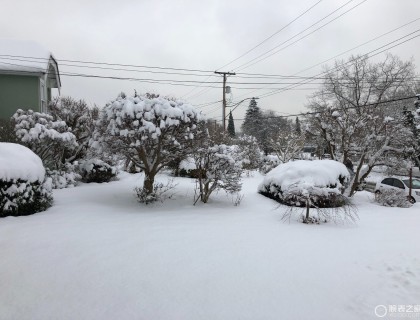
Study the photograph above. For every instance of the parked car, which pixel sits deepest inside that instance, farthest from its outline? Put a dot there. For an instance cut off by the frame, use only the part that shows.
(400, 184)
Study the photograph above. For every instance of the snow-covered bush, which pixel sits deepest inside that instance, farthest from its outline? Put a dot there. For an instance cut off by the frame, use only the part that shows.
(161, 192)
(63, 178)
(96, 170)
(311, 184)
(295, 182)
(52, 140)
(24, 188)
(392, 198)
(218, 168)
(250, 152)
(149, 130)
(80, 118)
(188, 168)
(268, 163)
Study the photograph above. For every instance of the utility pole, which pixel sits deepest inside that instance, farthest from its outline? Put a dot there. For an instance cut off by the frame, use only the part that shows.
(225, 74)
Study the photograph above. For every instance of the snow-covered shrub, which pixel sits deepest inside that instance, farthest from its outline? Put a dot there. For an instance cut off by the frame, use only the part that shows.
(392, 198)
(269, 162)
(188, 168)
(250, 153)
(149, 130)
(218, 168)
(59, 137)
(24, 188)
(63, 178)
(52, 140)
(319, 181)
(96, 170)
(161, 192)
(310, 184)
(287, 145)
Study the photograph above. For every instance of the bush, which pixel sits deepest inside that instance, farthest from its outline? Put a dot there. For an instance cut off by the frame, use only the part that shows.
(218, 168)
(21, 198)
(61, 179)
(96, 170)
(296, 197)
(311, 184)
(392, 198)
(269, 162)
(161, 192)
(24, 189)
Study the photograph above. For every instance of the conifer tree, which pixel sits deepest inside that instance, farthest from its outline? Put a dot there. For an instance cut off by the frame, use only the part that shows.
(231, 126)
(252, 123)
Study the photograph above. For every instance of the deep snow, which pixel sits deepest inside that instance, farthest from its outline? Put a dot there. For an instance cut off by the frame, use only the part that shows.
(98, 254)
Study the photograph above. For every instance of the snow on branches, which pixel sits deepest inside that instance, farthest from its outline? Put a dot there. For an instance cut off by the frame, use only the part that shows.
(50, 139)
(150, 131)
(219, 167)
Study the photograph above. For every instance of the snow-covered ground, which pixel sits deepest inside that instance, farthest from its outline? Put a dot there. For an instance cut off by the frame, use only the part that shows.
(98, 254)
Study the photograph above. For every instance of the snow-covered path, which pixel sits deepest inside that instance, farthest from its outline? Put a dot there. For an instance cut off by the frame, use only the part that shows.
(98, 254)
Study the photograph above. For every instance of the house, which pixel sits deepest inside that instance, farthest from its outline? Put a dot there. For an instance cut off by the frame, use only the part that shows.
(28, 73)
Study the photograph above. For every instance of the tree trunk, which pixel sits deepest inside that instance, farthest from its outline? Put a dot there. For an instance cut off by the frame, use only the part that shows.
(149, 180)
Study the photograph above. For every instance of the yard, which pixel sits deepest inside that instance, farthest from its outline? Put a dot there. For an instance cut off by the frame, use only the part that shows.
(99, 254)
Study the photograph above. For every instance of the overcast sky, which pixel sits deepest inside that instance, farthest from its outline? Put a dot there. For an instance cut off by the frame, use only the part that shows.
(206, 35)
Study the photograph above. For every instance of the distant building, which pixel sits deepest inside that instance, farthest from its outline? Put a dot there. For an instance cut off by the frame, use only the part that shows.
(28, 72)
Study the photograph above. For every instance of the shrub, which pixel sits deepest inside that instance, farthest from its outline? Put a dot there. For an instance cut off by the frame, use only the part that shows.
(96, 170)
(269, 162)
(161, 192)
(20, 197)
(188, 168)
(310, 184)
(61, 179)
(24, 189)
(218, 167)
(392, 198)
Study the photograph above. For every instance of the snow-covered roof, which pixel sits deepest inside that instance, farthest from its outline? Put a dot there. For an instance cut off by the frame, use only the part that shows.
(19, 162)
(27, 57)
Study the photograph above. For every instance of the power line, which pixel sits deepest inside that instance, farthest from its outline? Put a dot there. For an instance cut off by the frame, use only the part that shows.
(32, 60)
(206, 90)
(111, 64)
(274, 34)
(164, 81)
(365, 56)
(251, 62)
(317, 76)
(350, 107)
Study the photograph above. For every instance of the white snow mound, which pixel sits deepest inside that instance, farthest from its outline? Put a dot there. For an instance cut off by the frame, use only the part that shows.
(319, 173)
(19, 162)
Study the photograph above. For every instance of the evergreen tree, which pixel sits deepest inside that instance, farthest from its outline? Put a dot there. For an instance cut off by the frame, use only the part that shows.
(231, 126)
(298, 130)
(252, 122)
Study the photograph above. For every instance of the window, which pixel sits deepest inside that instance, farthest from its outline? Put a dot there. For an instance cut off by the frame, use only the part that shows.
(388, 181)
(398, 184)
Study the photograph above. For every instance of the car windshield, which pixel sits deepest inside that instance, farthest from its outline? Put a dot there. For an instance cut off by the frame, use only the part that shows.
(415, 184)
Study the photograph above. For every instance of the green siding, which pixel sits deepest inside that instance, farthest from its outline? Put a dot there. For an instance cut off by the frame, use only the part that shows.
(18, 92)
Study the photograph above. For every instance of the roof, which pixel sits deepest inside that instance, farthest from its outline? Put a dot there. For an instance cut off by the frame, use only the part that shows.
(27, 57)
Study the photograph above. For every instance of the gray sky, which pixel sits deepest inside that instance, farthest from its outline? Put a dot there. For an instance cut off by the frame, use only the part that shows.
(205, 35)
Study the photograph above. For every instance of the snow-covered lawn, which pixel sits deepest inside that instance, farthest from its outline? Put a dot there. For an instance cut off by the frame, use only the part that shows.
(98, 254)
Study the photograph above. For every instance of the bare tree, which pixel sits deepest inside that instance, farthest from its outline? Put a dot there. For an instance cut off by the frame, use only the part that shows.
(351, 117)
(287, 145)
